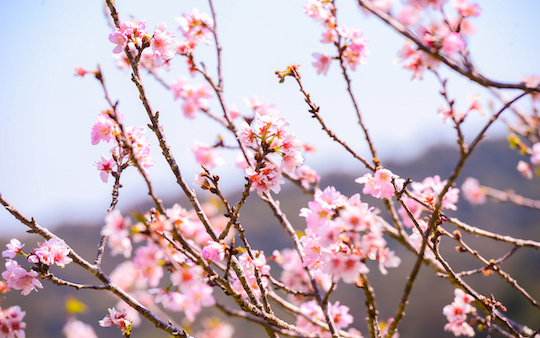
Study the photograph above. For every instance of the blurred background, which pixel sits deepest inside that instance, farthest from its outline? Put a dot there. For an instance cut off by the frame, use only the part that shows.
(46, 115)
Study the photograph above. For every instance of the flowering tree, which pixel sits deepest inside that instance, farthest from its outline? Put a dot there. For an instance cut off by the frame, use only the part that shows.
(179, 258)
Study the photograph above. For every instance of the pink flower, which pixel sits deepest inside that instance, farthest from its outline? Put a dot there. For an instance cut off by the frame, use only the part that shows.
(120, 40)
(355, 52)
(459, 328)
(328, 36)
(53, 251)
(525, 169)
(20, 279)
(435, 4)
(105, 167)
(13, 248)
(453, 43)
(163, 43)
(322, 64)
(117, 318)
(75, 329)
(319, 10)
(147, 260)
(206, 155)
(535, 154)
(214, 251)
(473, 192)
(11, 324)
(380, 184)
(105, 127)
(308, 176)
(117, 228)
(266, 179)
(465, 8)
(341, 316)
(196, 26)
(80, 71)
(409, 15)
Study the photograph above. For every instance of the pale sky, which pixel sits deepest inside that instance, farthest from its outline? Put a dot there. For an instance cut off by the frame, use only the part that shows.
(46, 112)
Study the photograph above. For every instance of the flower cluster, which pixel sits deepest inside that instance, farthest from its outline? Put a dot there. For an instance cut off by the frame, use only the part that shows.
(249, 265)
(11, 324)
(311, 311)
(117, 318)
(352, 46)
(194, 97)
(277, 149)
(445, 36)
(133, 30)
(196, 27)
(107, 129)
(188, 291)
(380, 184)
(457, 312)
(342, 234)
(75, 329)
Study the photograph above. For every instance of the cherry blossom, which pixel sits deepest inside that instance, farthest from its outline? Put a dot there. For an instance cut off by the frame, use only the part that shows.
(206, 155)
(322, 64)
(435, 4)
(535, 154)
(473, 192)
(453, 43)
(53, 251)
(105, 167)
(117, 318)
(75, 329)
(20, 279)
(14, 247)
(525, 170)
(196, 26)
(214, 251)
(266, 179)
(105, 127)
(379, 185)
(117, 229)
(163, 43)
(11, 324)
(319, 10)
(465, 8)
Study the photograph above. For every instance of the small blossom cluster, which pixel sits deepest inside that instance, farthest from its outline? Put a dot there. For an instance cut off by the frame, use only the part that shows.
(75, 329)
(118, 318)
(188, 291)
(458, 116)
(312, 311)
(249, 265)
(133, 30)
(341, 235)
(206, 155)
(526, 169)
(353, 46)
(445, 35)
(277, 149)
(295, 276)
(107, 129)
(456, 314)
(380, 185)
(473, 192)
(196, 27)
(194, 96)
(11, 322)
(53, 251)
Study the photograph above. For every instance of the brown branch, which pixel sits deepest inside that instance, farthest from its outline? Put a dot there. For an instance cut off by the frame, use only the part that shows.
(468, 72)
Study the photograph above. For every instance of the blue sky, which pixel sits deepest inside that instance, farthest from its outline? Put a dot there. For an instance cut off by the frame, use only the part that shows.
(47, 112)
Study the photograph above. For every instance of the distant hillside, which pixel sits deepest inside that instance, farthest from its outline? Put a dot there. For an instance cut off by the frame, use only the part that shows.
(493, 164)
